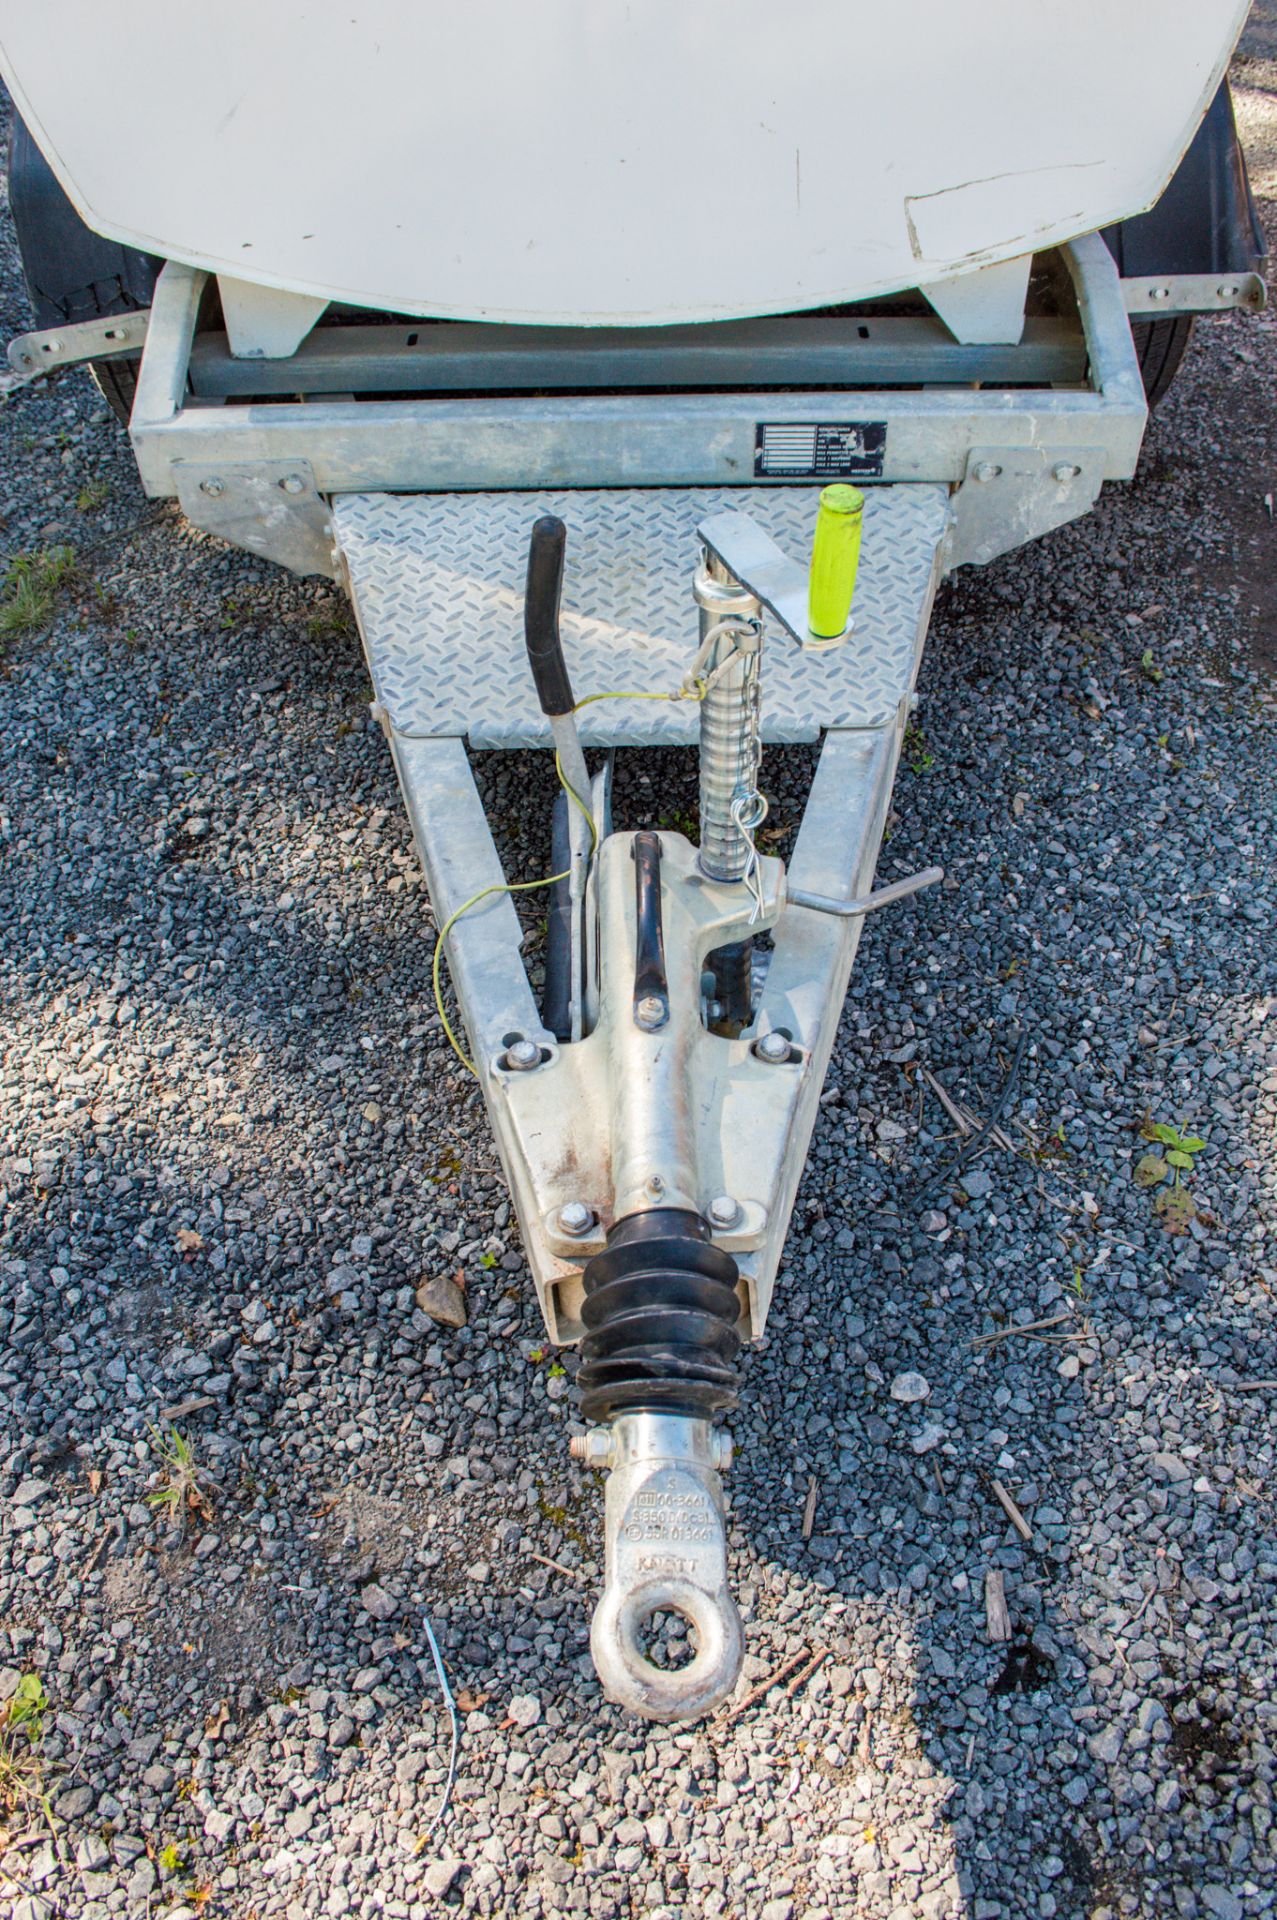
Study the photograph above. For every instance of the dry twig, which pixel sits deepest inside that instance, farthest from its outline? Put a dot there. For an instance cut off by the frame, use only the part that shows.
(1011, 1511)
(755, 1694)
(997, 1618)
(804, 1673)
(557, 1565)
(1006, 1333)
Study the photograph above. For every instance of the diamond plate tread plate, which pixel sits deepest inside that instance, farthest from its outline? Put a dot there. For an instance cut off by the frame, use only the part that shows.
(437, 583)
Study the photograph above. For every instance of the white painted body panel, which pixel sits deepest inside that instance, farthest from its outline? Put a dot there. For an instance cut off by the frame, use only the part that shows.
(610, 161)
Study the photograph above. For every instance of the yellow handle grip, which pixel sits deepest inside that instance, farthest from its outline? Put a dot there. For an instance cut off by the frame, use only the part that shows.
(835, 556)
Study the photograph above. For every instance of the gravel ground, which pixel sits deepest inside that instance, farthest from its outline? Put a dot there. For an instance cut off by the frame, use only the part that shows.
(233, 1141)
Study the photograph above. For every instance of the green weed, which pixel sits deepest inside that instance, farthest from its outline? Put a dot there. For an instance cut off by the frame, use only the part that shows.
(1173, 1204)
(917, 754)
(23, 1789)
(186, 1492)
(30, 588)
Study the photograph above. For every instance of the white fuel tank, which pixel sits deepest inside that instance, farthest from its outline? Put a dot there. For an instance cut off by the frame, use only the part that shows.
(610, 161)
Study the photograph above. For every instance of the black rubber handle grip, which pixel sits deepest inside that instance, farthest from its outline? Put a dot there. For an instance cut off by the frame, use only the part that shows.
(541, 616)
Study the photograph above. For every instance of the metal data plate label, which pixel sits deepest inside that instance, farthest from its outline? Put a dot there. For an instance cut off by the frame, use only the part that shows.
(803, 450)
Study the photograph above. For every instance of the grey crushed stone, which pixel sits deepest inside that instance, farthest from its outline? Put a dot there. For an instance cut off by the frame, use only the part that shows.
(233, 1141)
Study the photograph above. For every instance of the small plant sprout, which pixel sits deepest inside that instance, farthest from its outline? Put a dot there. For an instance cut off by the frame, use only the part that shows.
(22, 1776)
(186, 1491)
(1174, 1154)
(918, 755)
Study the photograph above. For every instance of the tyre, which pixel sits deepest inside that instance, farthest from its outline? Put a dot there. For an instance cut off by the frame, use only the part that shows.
(1160, 345)
(71, 272)
(116, 381)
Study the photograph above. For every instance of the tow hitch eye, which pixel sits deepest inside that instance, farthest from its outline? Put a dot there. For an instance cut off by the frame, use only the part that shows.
(665, 1552)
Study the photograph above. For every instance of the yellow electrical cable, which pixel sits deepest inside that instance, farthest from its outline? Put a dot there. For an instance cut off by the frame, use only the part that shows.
(520, 886)
(528, 886)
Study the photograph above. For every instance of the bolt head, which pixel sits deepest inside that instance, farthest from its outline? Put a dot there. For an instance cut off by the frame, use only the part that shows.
(523, 1055)
(721, 1449)
(1159, 293)
(985, 471)
(212, 488)
(1064, 470)
(592, 1449)
(293, 483)
(656, 1186)
(772, 1047)
(724, 1211)
(651, 1012)
(576, 1218)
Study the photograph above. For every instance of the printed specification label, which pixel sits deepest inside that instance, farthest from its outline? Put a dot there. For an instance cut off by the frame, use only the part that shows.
(802, 451)
(669, 1518)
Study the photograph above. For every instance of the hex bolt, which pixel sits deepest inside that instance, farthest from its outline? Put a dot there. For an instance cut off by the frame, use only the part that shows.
(651, 1012)
(293, 483)
(985, 471)
(1063, 470)
(655, 1186)
(1159, 293)
(722, 1449)
(212, 488)
(774, 1048)
(522, 1055)
(593, 1449)
(724, 1211)
(575, 1218)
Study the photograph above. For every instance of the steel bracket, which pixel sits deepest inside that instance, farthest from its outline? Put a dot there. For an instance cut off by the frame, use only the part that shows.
(1161, 294)
(271, 507)
(1010, 495)
(32, 354)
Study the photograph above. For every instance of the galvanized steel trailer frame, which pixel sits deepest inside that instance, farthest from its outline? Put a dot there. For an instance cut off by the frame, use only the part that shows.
(260, 474)
(654, 1110)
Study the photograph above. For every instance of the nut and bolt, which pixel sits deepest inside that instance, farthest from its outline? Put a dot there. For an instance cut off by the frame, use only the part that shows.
(598, 1449)
(655, 1186)
(575, 1218)
(522, 1055)
(212, 488)
(1064, 470)
(985, 471)
(651, 1012)
(724, 1211)
(593, 1449)
(774, 1048)
(293, 483)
